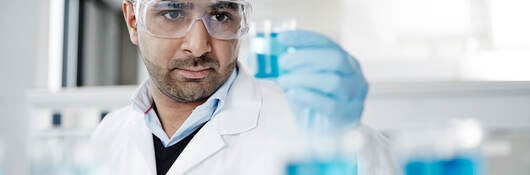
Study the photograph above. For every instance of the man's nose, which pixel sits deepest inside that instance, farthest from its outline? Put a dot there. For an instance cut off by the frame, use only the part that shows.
(197, 41)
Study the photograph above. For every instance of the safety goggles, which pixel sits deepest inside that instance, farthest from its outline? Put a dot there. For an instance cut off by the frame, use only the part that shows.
(223, 19)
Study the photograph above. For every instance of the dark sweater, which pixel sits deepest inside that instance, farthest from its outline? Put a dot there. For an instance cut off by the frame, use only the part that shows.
(165, 157)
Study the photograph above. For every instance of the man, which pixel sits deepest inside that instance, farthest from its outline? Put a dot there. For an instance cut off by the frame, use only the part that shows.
(201, 112)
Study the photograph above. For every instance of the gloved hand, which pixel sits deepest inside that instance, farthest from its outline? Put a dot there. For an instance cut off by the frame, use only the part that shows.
(324, 85)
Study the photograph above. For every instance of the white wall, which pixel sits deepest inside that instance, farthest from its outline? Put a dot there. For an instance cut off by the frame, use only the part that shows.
(18, 47)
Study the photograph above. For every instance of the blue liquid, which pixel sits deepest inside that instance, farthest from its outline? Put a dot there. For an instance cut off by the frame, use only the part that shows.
(336, 166)
(454, 166)
(267, 63)
(267, 66)
(423, 167)
(461, 166)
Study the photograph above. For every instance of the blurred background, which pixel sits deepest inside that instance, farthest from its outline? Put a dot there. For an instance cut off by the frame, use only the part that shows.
(66, 63)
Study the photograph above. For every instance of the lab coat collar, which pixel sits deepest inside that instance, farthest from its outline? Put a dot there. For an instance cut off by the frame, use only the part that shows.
(142, 97)
(240, 114)
(142, 140)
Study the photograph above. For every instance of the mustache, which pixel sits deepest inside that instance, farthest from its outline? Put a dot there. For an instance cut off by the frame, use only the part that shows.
(202, 61)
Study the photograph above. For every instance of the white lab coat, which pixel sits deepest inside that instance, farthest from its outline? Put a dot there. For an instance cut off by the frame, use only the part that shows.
(254, 133)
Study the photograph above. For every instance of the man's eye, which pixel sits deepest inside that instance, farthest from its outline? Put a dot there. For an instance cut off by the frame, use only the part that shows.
(172, 14)
(221, 17)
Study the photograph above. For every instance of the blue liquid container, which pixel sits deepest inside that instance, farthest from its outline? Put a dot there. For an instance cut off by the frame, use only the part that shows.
(333, 166)
(458, 165)
(266, 51)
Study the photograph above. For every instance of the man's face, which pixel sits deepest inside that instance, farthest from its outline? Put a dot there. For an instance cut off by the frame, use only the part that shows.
(190, 68)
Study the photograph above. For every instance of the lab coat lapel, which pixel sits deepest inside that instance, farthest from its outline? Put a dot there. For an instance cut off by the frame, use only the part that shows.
(241, 111)
(203, 145)
(240, 114)
(142, 140)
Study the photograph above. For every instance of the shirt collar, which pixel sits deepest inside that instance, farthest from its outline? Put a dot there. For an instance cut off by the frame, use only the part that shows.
(220, 93)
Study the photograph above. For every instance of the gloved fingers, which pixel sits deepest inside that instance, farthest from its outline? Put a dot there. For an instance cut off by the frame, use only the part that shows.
(317, 60)
(312, 100)
(304, 39)
(340, 87)
(318, 123)
(322, 103)
(306, 103)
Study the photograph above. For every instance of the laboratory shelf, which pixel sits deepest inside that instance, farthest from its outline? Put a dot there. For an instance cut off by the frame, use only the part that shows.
(448, 88)
(72, 113)
(103, 97)
(54, 133)
(496, 105)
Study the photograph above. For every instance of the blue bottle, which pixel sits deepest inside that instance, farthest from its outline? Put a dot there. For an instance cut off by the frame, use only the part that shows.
(331, 166)
(464, 165)
(458, 165)
(329, 152)
(421, 167)
(446, 148)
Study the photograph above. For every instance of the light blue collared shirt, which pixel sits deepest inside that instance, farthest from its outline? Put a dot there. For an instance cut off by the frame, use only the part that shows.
(143, 100)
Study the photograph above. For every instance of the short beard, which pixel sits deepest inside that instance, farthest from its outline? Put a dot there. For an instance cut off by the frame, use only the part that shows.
(189, 90)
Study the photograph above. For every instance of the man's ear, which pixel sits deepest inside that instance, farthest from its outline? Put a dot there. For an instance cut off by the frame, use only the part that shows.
(130, 19)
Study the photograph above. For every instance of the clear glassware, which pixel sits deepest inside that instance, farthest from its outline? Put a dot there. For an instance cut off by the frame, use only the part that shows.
(330, 152)
(67, 156)
(447, 148)
(264, 48)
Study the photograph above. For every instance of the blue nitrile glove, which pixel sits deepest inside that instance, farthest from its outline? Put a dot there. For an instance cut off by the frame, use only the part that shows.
(324, 85)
